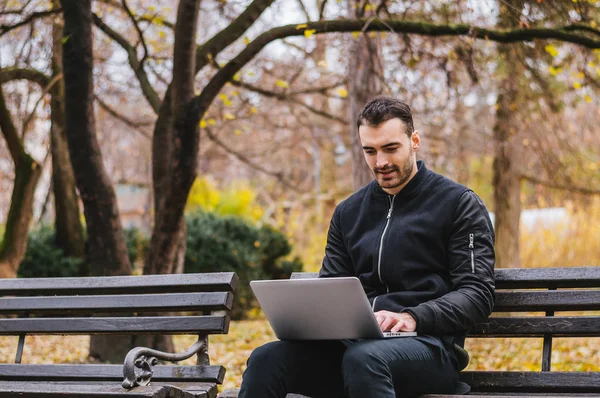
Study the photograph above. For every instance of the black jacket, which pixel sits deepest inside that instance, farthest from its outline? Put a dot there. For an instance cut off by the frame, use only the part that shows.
(428, 251)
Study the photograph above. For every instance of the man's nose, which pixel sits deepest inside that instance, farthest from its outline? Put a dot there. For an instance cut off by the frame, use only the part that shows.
(381, 160)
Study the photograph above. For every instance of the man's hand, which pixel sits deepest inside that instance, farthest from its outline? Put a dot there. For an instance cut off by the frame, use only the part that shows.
(395, 322)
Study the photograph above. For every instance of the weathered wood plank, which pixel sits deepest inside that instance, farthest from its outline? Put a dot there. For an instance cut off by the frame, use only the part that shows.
(141, 284)
(555, 300)
(210, 324)
(93, 372)
(527, 278)
(588, 326)
(115, 304)
(552, 382)
(89, 389)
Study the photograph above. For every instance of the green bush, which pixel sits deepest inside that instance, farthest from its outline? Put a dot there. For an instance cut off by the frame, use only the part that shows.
(224, 243)
(44, 259)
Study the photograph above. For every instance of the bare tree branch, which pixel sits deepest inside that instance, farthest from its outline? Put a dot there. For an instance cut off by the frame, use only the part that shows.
(278, 175)
(9, 131)
(550, 184)
(139, 31)
(304, 10)
(201, 103)
(135, 125)
(231, 33)
(287, 97)
(147, 88)
(46, 90)
(322, 9)
(33, 16)
(33, 75)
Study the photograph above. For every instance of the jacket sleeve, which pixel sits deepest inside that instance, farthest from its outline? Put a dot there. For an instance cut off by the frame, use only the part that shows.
(471, 271)
(337, 261)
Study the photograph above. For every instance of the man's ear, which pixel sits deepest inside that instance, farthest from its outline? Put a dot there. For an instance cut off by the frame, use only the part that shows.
(415, 140)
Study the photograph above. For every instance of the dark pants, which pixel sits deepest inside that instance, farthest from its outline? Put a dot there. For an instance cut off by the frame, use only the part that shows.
(394, 367)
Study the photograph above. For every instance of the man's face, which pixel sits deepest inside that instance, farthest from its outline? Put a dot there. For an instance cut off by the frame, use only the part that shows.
(390, 154)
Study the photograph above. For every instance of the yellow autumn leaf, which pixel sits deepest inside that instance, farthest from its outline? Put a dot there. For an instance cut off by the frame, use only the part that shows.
(162, 34)
(343, 92)
(223, 97)
(550, 49)
(158, 20)
(591, 64)
(576, 85)
(250, 73)
(580, 75)
(301, 26)
(212, 122)
(309, 32)
(554, 71)
(152, 8)
(282, 83)
(246, 40)
(202, 123)
(253, 109)
(234, 93)
(227, 103)
(588, 99)
(236, 77)
(355, 34)
(228, 116)
(237, 132)
(322, 63)
(594, 24)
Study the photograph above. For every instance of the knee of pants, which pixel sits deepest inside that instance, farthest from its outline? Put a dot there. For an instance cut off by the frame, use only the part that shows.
(359, 358)
(269, 356)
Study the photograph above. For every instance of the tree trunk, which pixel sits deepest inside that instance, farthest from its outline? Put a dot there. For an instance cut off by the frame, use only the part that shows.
(174, 164)
(364, 83)
(69, 230)
(107, 251)
(27, 175)
(506, 176)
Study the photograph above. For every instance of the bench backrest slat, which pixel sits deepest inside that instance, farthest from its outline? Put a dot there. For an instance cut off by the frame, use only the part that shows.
(209, 324)
(93, 372)
(531, 278)
(216, 281)
(588, 326)
(554, 300)
(116, 304)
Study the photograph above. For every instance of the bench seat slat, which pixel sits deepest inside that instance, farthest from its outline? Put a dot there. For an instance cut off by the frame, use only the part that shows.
(94, 372)
(102, 389)
(175, 283)
(556, 300)
(565, 382)
(115, 304)
(538, 326)
(210, 324)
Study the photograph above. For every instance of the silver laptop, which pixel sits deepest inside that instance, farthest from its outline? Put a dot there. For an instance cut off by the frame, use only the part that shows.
(319, 309)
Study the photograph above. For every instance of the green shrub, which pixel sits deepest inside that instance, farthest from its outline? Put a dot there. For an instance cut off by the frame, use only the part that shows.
(137, 246)
(223, 243)
(44, 259)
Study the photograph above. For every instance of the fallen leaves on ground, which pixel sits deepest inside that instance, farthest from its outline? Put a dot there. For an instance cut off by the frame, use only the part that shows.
(233, 349)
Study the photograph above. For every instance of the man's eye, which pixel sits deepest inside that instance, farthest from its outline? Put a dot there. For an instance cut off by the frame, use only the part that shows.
(370, 152)
(391, 149)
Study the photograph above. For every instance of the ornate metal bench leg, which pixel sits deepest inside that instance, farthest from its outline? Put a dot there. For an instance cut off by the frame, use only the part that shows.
(137, 368)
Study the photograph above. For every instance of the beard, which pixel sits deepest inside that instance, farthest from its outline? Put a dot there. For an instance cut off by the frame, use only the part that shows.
(400, 173)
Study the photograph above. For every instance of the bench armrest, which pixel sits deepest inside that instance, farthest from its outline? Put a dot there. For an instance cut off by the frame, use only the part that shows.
(137, 368)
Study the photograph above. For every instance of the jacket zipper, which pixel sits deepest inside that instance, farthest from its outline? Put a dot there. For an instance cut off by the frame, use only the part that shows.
(471, 248)
(387, 223)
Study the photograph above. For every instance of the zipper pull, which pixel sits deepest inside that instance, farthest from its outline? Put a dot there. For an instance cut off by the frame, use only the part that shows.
(471, 238)
(389, 213)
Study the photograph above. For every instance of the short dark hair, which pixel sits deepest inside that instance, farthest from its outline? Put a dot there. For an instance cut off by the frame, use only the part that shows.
(381, 109)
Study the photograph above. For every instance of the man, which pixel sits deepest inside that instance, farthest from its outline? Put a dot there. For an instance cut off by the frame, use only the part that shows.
(422, 247)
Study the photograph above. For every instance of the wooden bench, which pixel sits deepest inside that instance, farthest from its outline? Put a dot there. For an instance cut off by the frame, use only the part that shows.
(193, 304)
(526, 302)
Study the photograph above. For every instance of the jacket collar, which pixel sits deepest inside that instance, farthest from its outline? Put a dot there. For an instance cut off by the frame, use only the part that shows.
(412, 188)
